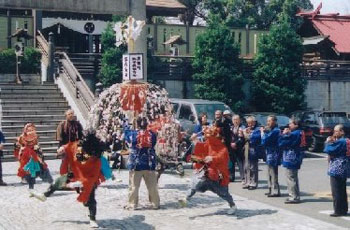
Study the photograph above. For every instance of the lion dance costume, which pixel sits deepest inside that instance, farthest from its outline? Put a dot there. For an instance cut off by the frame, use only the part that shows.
(30, 157)
(211, 168)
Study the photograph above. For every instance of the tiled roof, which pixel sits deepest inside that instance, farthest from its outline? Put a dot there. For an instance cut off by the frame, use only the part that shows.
(337, 28)
(165, 4)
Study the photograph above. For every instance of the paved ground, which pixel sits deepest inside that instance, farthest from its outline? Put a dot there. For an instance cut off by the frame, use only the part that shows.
(314, 186)
(206, 211)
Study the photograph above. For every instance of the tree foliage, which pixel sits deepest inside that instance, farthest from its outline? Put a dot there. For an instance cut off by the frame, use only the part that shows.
(111, 64)
(260, 14)
(217, 66)
(277, 83)
(30, 62)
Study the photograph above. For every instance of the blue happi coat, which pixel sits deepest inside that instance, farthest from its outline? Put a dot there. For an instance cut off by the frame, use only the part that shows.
(292, 151)
(256, 150)
(140, 158)
(270, 142)
(339, 165)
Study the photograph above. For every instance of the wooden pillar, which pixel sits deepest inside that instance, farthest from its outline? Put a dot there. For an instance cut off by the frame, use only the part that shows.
(38, 23)
(187, 38)
(247, 39)
(138, 11)
(9, 22)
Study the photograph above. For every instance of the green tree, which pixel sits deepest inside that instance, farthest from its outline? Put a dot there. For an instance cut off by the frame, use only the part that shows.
(194, 8)
(111, 63)
(277, 8)
(31, 61)
(277, 82)
(217, 66)
(259, 14)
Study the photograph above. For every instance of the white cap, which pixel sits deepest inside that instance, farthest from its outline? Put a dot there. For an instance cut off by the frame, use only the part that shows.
(227, 112)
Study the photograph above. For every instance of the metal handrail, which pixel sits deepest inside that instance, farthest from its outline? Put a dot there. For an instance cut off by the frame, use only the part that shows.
(74, 80)
(43, 45)
(82, 91)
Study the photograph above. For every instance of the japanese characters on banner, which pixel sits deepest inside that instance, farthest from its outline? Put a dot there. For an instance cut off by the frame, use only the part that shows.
(132, 67)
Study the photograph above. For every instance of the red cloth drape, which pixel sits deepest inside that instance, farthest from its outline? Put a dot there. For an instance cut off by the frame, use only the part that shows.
(219, 166)
(133, 96)
(87, 172)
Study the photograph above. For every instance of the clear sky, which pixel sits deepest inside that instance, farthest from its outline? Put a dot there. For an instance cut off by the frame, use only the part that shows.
(333, 6)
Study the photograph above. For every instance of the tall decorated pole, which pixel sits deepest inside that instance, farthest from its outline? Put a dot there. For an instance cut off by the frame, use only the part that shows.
(119, 106)
(138, 12)
(133, 92)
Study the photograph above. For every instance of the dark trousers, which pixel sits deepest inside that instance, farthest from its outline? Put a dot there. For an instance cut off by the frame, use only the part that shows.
(340, 199)
(91, 204)
(30, 180)
(0, 169)
(205, 184)
(236, 158)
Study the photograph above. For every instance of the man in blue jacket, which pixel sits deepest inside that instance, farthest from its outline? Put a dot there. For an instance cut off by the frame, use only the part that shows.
(290, 143)
(142, 164)
(269, 140)
(338, 150)
(2, 141)
(252, 151)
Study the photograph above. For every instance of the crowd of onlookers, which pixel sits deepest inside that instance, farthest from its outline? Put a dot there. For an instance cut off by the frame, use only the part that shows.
(226, 142)
(249, 142)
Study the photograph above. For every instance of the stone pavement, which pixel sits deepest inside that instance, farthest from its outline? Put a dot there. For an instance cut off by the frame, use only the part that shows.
(206, 211)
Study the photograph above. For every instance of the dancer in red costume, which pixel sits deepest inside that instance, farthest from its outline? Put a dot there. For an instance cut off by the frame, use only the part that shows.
(30, 157)
(211, 168)
(87, 169)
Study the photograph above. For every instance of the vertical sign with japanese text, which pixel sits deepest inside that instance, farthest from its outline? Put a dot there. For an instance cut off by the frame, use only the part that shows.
(126, 64)
(133, 67)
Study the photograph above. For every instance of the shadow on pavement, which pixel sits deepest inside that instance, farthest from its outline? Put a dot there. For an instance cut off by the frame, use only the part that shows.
(195, 202)
(115, 186)
(240, 214)
(315, 200)
(180, 187)
(132, 222)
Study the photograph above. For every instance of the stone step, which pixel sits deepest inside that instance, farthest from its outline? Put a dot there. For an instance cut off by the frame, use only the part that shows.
(29, 91)
(32, 100)
(19, 128)
(14, 134)
(34, 104)
(37, 106)
(31, 96)
(33, 112)
(6, 123)
(28, 87)
(20, 93)
(39, 117)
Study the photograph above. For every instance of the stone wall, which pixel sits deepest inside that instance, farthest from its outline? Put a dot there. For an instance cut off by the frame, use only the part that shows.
(336, 98)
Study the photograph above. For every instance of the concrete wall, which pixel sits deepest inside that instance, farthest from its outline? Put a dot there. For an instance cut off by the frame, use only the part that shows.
(317, 95)
(80, 6)
(247, 40)
(20, 21)
(175, 88)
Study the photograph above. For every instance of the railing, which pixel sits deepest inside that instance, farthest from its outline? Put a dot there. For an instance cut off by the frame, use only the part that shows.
(43, 46)
(72, 81)
(75, 83)
(171, 68)
(326, 69)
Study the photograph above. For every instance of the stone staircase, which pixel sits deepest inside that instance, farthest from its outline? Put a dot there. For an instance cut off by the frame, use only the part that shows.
(44, 105)
(88, 65)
